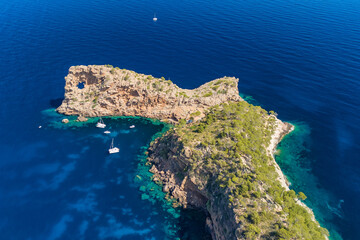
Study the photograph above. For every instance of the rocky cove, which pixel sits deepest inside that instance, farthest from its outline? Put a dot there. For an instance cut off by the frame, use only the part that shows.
(220, 162)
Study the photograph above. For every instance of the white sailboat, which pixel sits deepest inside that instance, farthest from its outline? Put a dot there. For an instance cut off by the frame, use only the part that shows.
(132, 126)
(154, 18)
(100, 123)
(113, 149)
(107, 132)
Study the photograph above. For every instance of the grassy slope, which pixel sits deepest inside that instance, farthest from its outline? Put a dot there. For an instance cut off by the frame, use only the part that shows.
(229, 161)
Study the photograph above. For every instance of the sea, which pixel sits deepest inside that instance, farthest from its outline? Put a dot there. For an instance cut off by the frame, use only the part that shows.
(300, 58)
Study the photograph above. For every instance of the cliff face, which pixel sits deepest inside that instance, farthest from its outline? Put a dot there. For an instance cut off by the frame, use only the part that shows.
(109, 91)
(170, 162)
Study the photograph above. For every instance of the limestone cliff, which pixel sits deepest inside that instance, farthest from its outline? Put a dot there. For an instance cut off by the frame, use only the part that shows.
(106, 91)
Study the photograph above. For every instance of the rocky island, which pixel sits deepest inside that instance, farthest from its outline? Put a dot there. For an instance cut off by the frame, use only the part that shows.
(221, 162)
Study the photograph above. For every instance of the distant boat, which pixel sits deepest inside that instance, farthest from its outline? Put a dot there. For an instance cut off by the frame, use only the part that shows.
(107, 132)
(132, 126)
(113, 149)
(100, 124)
(154, 18)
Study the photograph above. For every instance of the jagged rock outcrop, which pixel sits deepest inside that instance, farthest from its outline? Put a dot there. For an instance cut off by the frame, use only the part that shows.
(188, 190)
(96, 90)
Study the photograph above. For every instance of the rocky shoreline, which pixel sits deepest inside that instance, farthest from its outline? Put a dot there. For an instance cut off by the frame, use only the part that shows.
(280, 132)
(170, 159)
(167, 172)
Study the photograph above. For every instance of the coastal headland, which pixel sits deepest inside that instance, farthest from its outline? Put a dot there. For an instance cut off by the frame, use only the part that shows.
(92, 91)
(217, 158)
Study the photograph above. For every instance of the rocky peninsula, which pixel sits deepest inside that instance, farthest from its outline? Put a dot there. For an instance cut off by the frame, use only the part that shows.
(221, 162)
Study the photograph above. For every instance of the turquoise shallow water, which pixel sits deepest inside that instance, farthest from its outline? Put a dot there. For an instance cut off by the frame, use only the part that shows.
(300, 59)
(294, 160)
(104, 196)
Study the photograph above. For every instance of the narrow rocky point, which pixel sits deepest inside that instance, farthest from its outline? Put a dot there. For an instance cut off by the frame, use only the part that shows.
(95, 90)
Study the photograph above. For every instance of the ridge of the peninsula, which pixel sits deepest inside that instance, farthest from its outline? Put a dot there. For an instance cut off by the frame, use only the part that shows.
(224, 165)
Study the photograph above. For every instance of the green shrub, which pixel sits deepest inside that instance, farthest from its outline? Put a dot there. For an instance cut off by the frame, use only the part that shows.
(195, 114)
(208, 94)
(183, 94)
(215, 88)
(224, 91)
(254, 218)
(302, 196)
(252, 231)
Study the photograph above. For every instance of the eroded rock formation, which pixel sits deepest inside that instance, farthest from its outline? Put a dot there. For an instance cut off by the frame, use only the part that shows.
(106, 91)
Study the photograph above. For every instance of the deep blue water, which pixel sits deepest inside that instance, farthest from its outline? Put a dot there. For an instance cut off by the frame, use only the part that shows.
(299, 58)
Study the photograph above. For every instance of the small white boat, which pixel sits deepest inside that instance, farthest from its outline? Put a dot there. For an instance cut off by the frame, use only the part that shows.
(113, 149)
(107, 132)
(100, 124)
(132, 126)
(154, 18)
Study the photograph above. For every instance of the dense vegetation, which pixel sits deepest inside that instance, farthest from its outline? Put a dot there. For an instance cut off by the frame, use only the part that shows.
(229, 156)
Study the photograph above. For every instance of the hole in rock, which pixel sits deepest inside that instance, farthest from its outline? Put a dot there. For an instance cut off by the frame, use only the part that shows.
(81, 85)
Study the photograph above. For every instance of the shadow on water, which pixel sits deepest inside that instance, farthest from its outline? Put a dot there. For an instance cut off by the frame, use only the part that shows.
(55, 103)
(192, 223)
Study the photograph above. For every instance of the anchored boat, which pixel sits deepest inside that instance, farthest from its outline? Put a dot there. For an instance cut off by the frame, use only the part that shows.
(113, 149)
(100, 123)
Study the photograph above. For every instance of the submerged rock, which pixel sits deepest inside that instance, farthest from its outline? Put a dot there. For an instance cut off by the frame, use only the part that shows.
(65, 120)
(81, 119)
